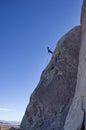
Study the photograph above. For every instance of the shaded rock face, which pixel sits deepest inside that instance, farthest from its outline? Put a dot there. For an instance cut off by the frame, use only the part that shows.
(51, 100)
(83, 13)
(77, 114)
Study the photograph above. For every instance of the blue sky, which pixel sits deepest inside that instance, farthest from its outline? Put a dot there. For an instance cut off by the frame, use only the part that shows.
(27, 27)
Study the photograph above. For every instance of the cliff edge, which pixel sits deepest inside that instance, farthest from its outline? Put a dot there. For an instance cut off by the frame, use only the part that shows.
(52, 98)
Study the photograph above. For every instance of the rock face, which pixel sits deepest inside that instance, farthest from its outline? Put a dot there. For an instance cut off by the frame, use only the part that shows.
(77, 113)
(50, 102)
(83, 13)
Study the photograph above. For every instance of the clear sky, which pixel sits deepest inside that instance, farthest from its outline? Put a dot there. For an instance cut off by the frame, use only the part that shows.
(27, 27)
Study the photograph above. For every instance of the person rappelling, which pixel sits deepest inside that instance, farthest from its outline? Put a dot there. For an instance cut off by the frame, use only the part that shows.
(49, 51)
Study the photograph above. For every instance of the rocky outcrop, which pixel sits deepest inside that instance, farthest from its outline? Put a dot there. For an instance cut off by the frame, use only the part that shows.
(51, 100)
(83, 13)
(77, 113)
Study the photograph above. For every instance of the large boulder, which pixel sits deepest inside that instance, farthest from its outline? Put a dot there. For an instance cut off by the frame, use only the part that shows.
(51, 100)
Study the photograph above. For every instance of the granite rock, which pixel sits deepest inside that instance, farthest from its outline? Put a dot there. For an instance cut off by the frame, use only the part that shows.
(50, 102)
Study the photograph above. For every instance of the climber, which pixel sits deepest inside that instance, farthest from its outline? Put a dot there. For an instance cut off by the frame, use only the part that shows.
(49, 51)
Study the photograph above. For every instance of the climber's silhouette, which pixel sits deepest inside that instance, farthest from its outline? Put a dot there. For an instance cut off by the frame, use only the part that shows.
(49, 51)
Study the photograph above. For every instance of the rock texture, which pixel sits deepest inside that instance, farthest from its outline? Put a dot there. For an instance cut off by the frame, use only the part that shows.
(77, 113)
(51, 100)
(83, 13)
